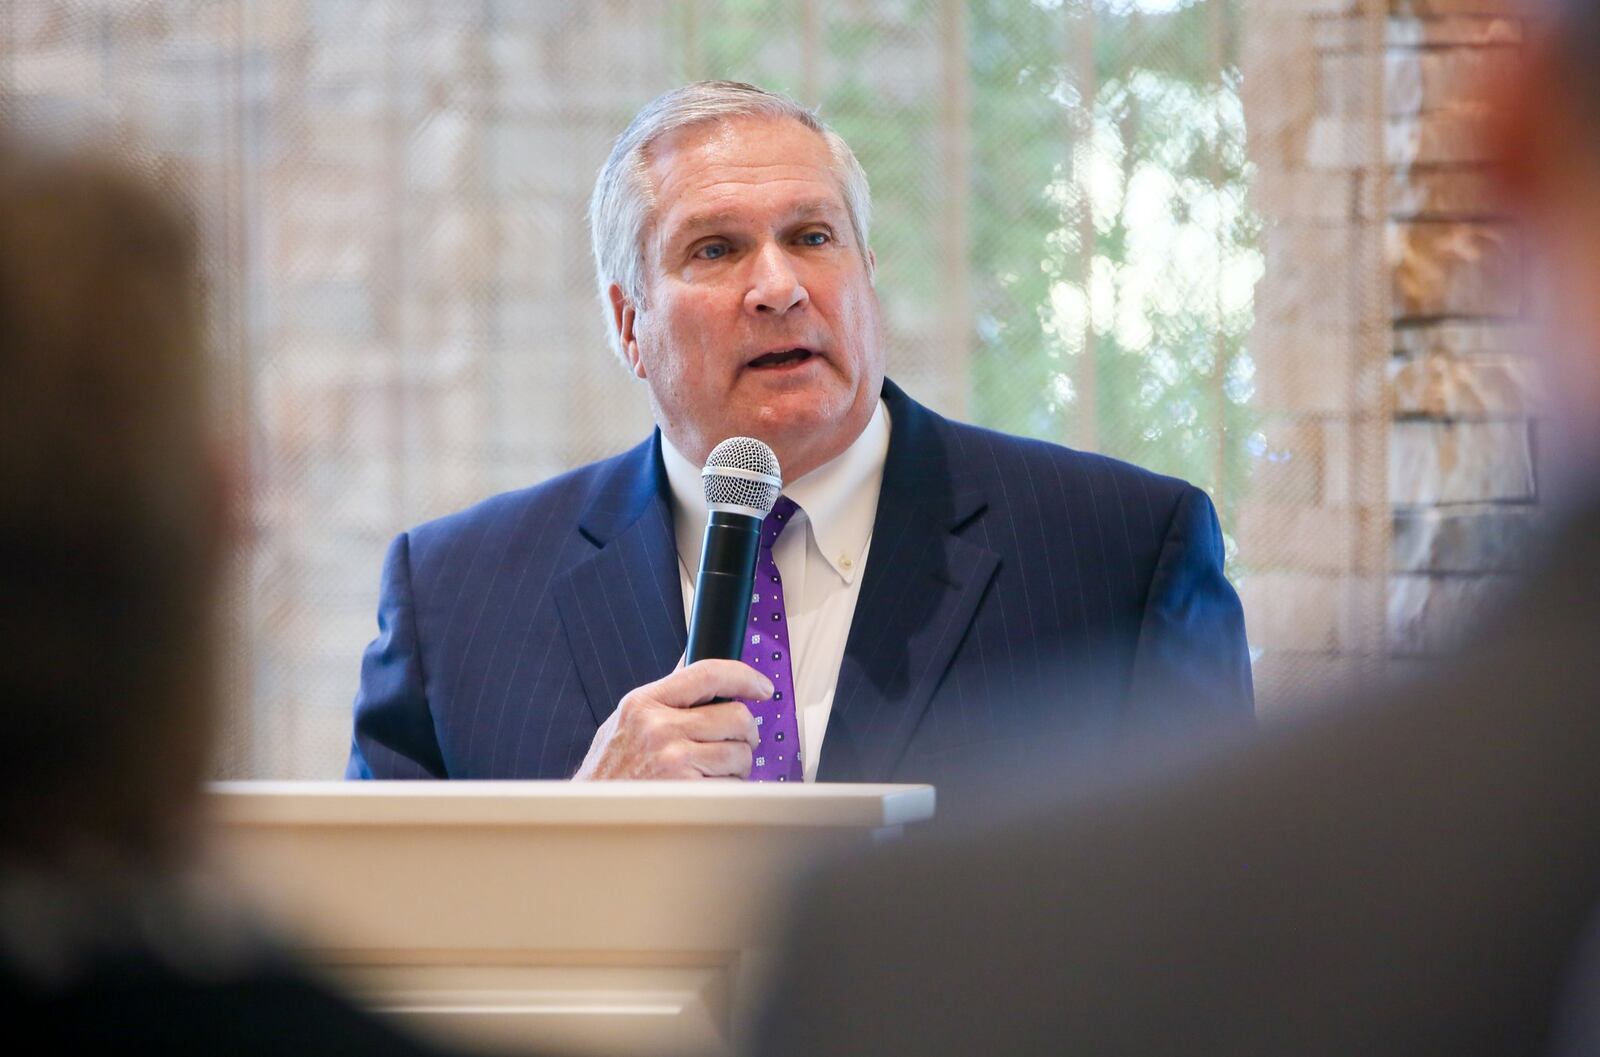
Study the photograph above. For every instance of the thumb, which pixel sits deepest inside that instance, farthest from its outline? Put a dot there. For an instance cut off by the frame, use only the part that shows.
(705, 681)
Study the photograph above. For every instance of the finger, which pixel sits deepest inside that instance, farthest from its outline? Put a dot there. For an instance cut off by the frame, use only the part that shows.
(705, 681)
(724, 721)
(722, 759)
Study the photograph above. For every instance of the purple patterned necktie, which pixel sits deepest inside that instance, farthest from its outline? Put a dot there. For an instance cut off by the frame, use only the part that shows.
(766, 649)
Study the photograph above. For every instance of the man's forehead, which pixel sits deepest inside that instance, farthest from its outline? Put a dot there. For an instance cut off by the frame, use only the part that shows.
(717, 160)
(730, 134)
(740, 171)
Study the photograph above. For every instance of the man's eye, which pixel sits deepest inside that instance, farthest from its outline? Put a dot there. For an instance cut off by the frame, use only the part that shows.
(712, 251)
(815, 238)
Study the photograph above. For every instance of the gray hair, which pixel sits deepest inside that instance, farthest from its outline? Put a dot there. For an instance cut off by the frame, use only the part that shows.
(620, 209)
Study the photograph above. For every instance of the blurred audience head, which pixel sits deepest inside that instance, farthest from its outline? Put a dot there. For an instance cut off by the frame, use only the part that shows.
(1544, 134)
(111, 513)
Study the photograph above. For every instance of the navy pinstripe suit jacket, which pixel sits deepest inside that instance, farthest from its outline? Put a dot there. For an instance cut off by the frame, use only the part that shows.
(1014, 588)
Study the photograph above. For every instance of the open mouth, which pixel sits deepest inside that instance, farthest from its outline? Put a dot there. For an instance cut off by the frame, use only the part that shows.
(782, 358)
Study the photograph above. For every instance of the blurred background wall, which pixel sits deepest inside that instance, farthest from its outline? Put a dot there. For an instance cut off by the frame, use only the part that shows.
(1392, 341)
(1247, 242)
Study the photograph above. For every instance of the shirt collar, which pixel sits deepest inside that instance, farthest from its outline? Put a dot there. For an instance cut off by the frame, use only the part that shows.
(839, 500)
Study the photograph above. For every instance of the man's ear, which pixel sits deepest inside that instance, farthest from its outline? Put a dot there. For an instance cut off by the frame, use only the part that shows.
(623, 316)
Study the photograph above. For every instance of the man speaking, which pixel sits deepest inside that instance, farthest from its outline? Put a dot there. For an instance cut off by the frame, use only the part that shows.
(925, 591)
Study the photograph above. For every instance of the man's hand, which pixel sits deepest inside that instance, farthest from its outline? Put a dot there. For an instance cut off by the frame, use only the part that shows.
(666, 729)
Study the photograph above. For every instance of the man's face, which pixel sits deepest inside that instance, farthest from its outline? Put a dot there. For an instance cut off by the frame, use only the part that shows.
(759, 316)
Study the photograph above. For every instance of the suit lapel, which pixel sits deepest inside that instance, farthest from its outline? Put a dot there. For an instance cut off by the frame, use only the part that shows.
(623, 606)
(921, 591)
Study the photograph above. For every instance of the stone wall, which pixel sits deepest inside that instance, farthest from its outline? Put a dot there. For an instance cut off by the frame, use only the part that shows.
(1391, 338)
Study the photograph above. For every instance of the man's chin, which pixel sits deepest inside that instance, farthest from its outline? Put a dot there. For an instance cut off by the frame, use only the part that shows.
(799, 416)
(804, 436)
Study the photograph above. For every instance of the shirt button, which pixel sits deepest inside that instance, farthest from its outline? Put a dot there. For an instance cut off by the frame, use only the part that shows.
(845, 562)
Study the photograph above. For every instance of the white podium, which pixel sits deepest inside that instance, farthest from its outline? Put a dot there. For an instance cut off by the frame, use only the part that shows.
(618, 918)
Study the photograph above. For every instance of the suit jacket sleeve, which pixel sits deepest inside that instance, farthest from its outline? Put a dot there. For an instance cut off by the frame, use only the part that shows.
(394, 733)
(1192, 662)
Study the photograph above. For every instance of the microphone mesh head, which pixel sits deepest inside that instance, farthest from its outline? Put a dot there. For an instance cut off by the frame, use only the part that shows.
(742, 472)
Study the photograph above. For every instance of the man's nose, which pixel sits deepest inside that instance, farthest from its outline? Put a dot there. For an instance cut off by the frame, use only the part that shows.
(775, 287)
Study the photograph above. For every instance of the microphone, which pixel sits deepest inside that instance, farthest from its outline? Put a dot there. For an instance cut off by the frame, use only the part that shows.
(742, 481)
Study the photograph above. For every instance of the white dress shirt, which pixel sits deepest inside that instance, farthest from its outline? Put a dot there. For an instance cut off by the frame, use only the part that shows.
(821, 566)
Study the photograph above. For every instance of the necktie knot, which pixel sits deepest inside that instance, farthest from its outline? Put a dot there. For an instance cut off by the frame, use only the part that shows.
(772, 525)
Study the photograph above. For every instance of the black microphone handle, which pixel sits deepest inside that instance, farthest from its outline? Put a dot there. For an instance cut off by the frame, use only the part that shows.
(723, 586)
